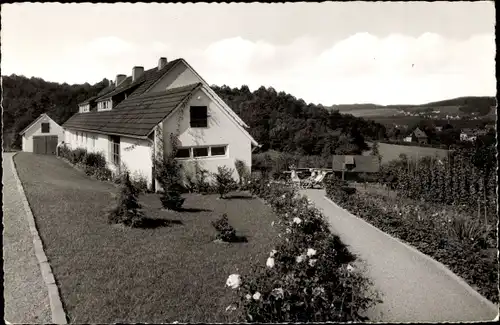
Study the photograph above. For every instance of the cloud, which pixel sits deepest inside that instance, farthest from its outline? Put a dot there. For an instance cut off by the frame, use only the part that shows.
(361, 68)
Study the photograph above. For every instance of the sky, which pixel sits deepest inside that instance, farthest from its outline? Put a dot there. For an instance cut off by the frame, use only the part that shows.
(325, 53)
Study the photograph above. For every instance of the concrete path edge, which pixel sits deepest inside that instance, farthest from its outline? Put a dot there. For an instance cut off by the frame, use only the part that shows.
(56, 306)
(430, 259)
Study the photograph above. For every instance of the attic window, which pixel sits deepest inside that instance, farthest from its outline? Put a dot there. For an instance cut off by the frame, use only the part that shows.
(45, 127)
(198, 116)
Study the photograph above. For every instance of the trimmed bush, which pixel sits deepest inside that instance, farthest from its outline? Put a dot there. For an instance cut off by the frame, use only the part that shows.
(172, 200)
(225, 231)
(224, 181)
(127, 210)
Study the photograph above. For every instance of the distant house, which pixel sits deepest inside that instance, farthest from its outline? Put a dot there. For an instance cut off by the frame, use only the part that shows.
(490, 126)
(471, 134)
(439, 128)
(407, 139)
(419, 136)
(350, 167)
(133, 120)
(42, 136)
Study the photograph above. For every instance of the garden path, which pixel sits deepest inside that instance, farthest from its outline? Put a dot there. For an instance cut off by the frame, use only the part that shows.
(414, 287)
(25, 293)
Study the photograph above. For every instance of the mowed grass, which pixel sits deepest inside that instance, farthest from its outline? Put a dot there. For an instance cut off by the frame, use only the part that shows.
(108, 274)
(392, 151)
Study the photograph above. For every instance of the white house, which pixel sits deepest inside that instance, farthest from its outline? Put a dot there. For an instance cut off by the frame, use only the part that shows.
(133, 119)
(42, 136)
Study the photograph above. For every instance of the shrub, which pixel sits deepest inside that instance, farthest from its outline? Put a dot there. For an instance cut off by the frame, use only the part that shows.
(78, 156)
(242, 170)
(171, 199)
(102, 174)
(94, 159)
(225, 231)
(63, 151)
(140, 183)
(127, 209)
(224, 182)
(201, 183)
(310, 276)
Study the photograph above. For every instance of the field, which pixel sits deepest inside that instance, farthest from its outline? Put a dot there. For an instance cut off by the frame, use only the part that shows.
(392, 151)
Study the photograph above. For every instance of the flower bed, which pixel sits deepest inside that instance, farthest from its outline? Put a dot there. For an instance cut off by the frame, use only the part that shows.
(309, 276)
(466, 244)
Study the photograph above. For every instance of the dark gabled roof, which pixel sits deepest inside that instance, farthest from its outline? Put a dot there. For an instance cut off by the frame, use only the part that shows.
(138, 87)
(362, 164)
(134, 117)
(419, 133)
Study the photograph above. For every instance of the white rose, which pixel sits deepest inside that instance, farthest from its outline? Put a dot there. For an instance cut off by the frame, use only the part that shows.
(283, 196)
(270, 262)
(248, 296)
(278, 292)
(256, 296)
(233, 281)
(288, 230)
(312, 262)
(297, 220)
(311, 252)
(300, 258)
(230, 308)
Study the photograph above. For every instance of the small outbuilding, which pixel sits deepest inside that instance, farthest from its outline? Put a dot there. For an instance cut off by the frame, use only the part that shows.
(42, 136)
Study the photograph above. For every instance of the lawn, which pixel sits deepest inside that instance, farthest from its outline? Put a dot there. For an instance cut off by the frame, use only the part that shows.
(172, 271)
(391, 152)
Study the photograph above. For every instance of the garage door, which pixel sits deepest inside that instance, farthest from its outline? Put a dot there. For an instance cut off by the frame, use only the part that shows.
(45, 145)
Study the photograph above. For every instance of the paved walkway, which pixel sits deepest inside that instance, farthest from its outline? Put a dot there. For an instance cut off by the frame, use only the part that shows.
(414, 288)
(26, 297)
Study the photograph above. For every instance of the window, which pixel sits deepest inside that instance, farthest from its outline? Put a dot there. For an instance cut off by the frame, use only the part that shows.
(218, 151)
(45, 127)
(183, 153)
(198, 116)
(115, 150)
(200, 152)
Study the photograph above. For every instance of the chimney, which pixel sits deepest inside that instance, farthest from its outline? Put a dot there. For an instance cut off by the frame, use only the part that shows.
(119, 79)
(137, 73)
(162, 62)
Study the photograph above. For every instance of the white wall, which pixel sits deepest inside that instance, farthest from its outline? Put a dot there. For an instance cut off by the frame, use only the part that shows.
(221, 130)
(178, 77)
(36, 130)
(135, 154)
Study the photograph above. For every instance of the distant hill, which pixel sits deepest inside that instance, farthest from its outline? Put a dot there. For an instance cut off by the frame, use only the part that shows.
(470, 104)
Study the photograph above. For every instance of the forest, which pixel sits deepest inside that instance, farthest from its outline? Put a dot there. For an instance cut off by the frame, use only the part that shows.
(277, 120)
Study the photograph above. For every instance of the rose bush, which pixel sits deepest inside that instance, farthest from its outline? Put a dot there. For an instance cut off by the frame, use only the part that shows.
(309, 276)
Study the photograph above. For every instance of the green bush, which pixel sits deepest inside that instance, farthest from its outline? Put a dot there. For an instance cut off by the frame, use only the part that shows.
(242, 170)
(448, 234)
(78, 156)
(225, 231)
(309, 277)
(126, 210)
(224, 181)
(95, 159)
(171, 199)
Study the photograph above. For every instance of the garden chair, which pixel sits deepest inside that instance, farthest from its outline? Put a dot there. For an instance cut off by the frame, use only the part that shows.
(316, 181)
